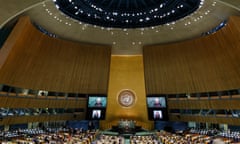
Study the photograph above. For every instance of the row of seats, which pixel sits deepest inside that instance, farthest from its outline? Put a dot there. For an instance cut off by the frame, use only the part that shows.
(4, 112)
(81, 136)
(59, 136)
(234, 135)
(169, 138)
(108, 139)
(148, 139)
(30, 132)
(204, 131)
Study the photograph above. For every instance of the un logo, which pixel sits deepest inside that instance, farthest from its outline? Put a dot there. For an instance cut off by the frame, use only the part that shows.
(126, 98)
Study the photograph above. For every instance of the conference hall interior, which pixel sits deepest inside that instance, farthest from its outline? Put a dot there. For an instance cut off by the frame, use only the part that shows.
(119, 71)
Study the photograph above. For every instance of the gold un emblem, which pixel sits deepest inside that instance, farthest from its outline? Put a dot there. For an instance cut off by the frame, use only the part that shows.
(126, 98)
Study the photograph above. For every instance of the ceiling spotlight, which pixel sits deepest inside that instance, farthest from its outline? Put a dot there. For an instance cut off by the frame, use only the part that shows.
(129, 14)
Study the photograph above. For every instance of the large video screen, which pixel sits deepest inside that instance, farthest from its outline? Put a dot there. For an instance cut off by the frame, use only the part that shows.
(96, 114)
(97, 101)
(158, 114)
(157, 107)
(156, 102)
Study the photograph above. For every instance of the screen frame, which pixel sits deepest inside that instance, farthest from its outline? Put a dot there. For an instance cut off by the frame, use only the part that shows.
(155, 113)
(90, 114)
(92, 108)
(151, 108)
(160, 98)
(89, 105)
(164, 112)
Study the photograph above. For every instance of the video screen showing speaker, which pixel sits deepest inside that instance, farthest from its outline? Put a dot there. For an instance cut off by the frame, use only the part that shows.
(96, 107)
(158, 114)
(156, 102)
(97, 101)
(157, 108)
(96, 114)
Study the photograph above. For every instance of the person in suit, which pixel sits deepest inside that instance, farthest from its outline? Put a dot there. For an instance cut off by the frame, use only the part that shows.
(98, 102)
(96, 114)
(157, 102)
(91, 125)
(157, 115)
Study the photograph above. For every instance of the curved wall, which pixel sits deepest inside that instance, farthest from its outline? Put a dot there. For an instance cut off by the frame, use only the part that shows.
(210, 63)
(33, 60)
(44, 118)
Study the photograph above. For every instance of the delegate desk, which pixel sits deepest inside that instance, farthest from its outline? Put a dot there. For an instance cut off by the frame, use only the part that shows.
(126, 127)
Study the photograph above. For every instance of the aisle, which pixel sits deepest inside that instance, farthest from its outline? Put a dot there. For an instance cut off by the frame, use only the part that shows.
(127, 141)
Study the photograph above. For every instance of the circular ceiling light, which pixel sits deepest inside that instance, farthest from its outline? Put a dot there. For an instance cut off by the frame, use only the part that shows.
(127, 13)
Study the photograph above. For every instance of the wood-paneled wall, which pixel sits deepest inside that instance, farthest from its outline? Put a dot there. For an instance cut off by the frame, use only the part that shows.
(37, 61)
(214, 104)
(205, 104)
(40, 118)
(13, 102)
(18, 102)
(204, 119)
(209, 63)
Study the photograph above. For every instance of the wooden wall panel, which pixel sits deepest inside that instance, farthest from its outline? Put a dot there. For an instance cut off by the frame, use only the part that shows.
(15, 102)
(12, 40)
(210, 63)
(205, 104)
(40, 118)
(202, 119)
(37, 61)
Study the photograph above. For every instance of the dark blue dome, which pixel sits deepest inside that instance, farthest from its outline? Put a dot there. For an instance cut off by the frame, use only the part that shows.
(127, 13)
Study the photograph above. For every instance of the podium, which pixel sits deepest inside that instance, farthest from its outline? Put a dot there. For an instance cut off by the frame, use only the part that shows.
(126, 127)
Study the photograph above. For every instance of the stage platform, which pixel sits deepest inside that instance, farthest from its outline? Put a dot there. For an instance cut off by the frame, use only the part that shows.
(127, 128)
(141, 132)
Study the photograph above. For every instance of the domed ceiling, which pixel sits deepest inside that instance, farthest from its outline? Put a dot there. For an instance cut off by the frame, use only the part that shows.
(183, 20)
(127, 13)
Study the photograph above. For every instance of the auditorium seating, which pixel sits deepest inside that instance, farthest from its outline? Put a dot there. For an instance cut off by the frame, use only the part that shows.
(169, 138)
(108, 139)
(60, 135)
(144, 140)
(80, 136)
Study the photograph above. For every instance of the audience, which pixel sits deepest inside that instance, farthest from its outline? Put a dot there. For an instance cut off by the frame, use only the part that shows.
(51, 136)
(108, 139)
(144, 140)
(80, 136)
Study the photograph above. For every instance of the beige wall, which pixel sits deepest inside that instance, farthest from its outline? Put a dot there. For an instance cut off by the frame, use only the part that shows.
(126, 72)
